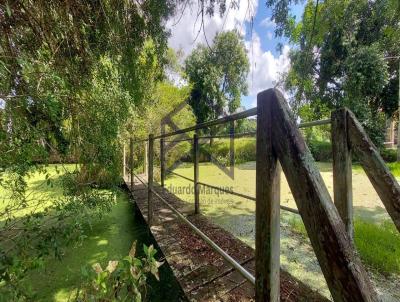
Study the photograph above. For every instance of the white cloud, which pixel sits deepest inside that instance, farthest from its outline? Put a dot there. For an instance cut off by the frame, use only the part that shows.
(185, 29)
(267, 23)
(265, 69)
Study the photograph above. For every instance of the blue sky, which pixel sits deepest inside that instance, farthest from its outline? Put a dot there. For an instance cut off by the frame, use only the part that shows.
(265, 61)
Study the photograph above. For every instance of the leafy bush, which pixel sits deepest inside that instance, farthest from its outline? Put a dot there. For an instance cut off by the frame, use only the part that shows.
(245, 150)
(121, 280)
(320, 150)
(389, 155)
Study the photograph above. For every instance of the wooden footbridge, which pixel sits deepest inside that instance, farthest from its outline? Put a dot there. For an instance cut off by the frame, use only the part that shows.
(212, 265)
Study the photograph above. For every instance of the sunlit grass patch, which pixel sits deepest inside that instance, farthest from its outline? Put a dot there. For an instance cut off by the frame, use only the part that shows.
(377, 244)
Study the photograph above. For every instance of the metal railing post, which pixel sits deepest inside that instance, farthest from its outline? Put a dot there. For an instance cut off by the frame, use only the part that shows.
(342, 178)
(267, 206)
(162, 161)
(150, 181)
(131, 162)
(196, 174)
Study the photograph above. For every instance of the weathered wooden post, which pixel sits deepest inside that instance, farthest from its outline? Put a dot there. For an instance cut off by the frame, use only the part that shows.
(382, 179)
(267, 207)
(342, 178)
(196, 174)
(124, 162)
(150, 181)
(346, 278)
(131, 161)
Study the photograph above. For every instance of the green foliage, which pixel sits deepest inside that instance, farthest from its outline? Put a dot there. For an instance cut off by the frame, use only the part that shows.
(245, 150)
(218, 76)
(389, 155)
(120, 280)
(340, 58)
(320, 150)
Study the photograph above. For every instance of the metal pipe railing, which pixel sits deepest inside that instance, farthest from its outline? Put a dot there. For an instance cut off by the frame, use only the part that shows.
(244, 196)
(222, 120)
(207, 239)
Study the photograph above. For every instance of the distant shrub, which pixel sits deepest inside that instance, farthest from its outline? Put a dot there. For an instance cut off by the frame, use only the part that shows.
(389, 155)
(320, 150)
(245, 150)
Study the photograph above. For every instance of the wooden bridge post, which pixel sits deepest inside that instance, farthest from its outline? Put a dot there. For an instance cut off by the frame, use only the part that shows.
(267, 207)
(150, 181)
(382, 179)
(131, 161)
(346, 277)
(196, 174)
(342, 178)
(162, 156)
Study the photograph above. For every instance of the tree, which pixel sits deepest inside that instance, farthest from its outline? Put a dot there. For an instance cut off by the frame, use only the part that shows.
(340, 57)
(218, 76)
(71, 75)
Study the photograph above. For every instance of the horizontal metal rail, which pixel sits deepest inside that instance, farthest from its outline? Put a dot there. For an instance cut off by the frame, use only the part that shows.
(227, 191)
(222, 120)
(211, 243)
(314, 123)
(225, 119)
(244, 196)
(187, 178)
(207, 239)
(179, 140)
(235, 135)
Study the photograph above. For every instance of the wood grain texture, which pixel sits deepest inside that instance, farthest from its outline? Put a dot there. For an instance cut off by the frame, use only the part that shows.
(343, 271)
(342, 171)
(267, 206)
(378, 173)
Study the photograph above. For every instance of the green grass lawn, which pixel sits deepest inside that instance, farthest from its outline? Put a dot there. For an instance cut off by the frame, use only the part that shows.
(108, 239)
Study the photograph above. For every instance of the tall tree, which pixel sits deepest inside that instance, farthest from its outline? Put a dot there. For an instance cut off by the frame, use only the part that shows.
(218, 75)
(344, 57)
